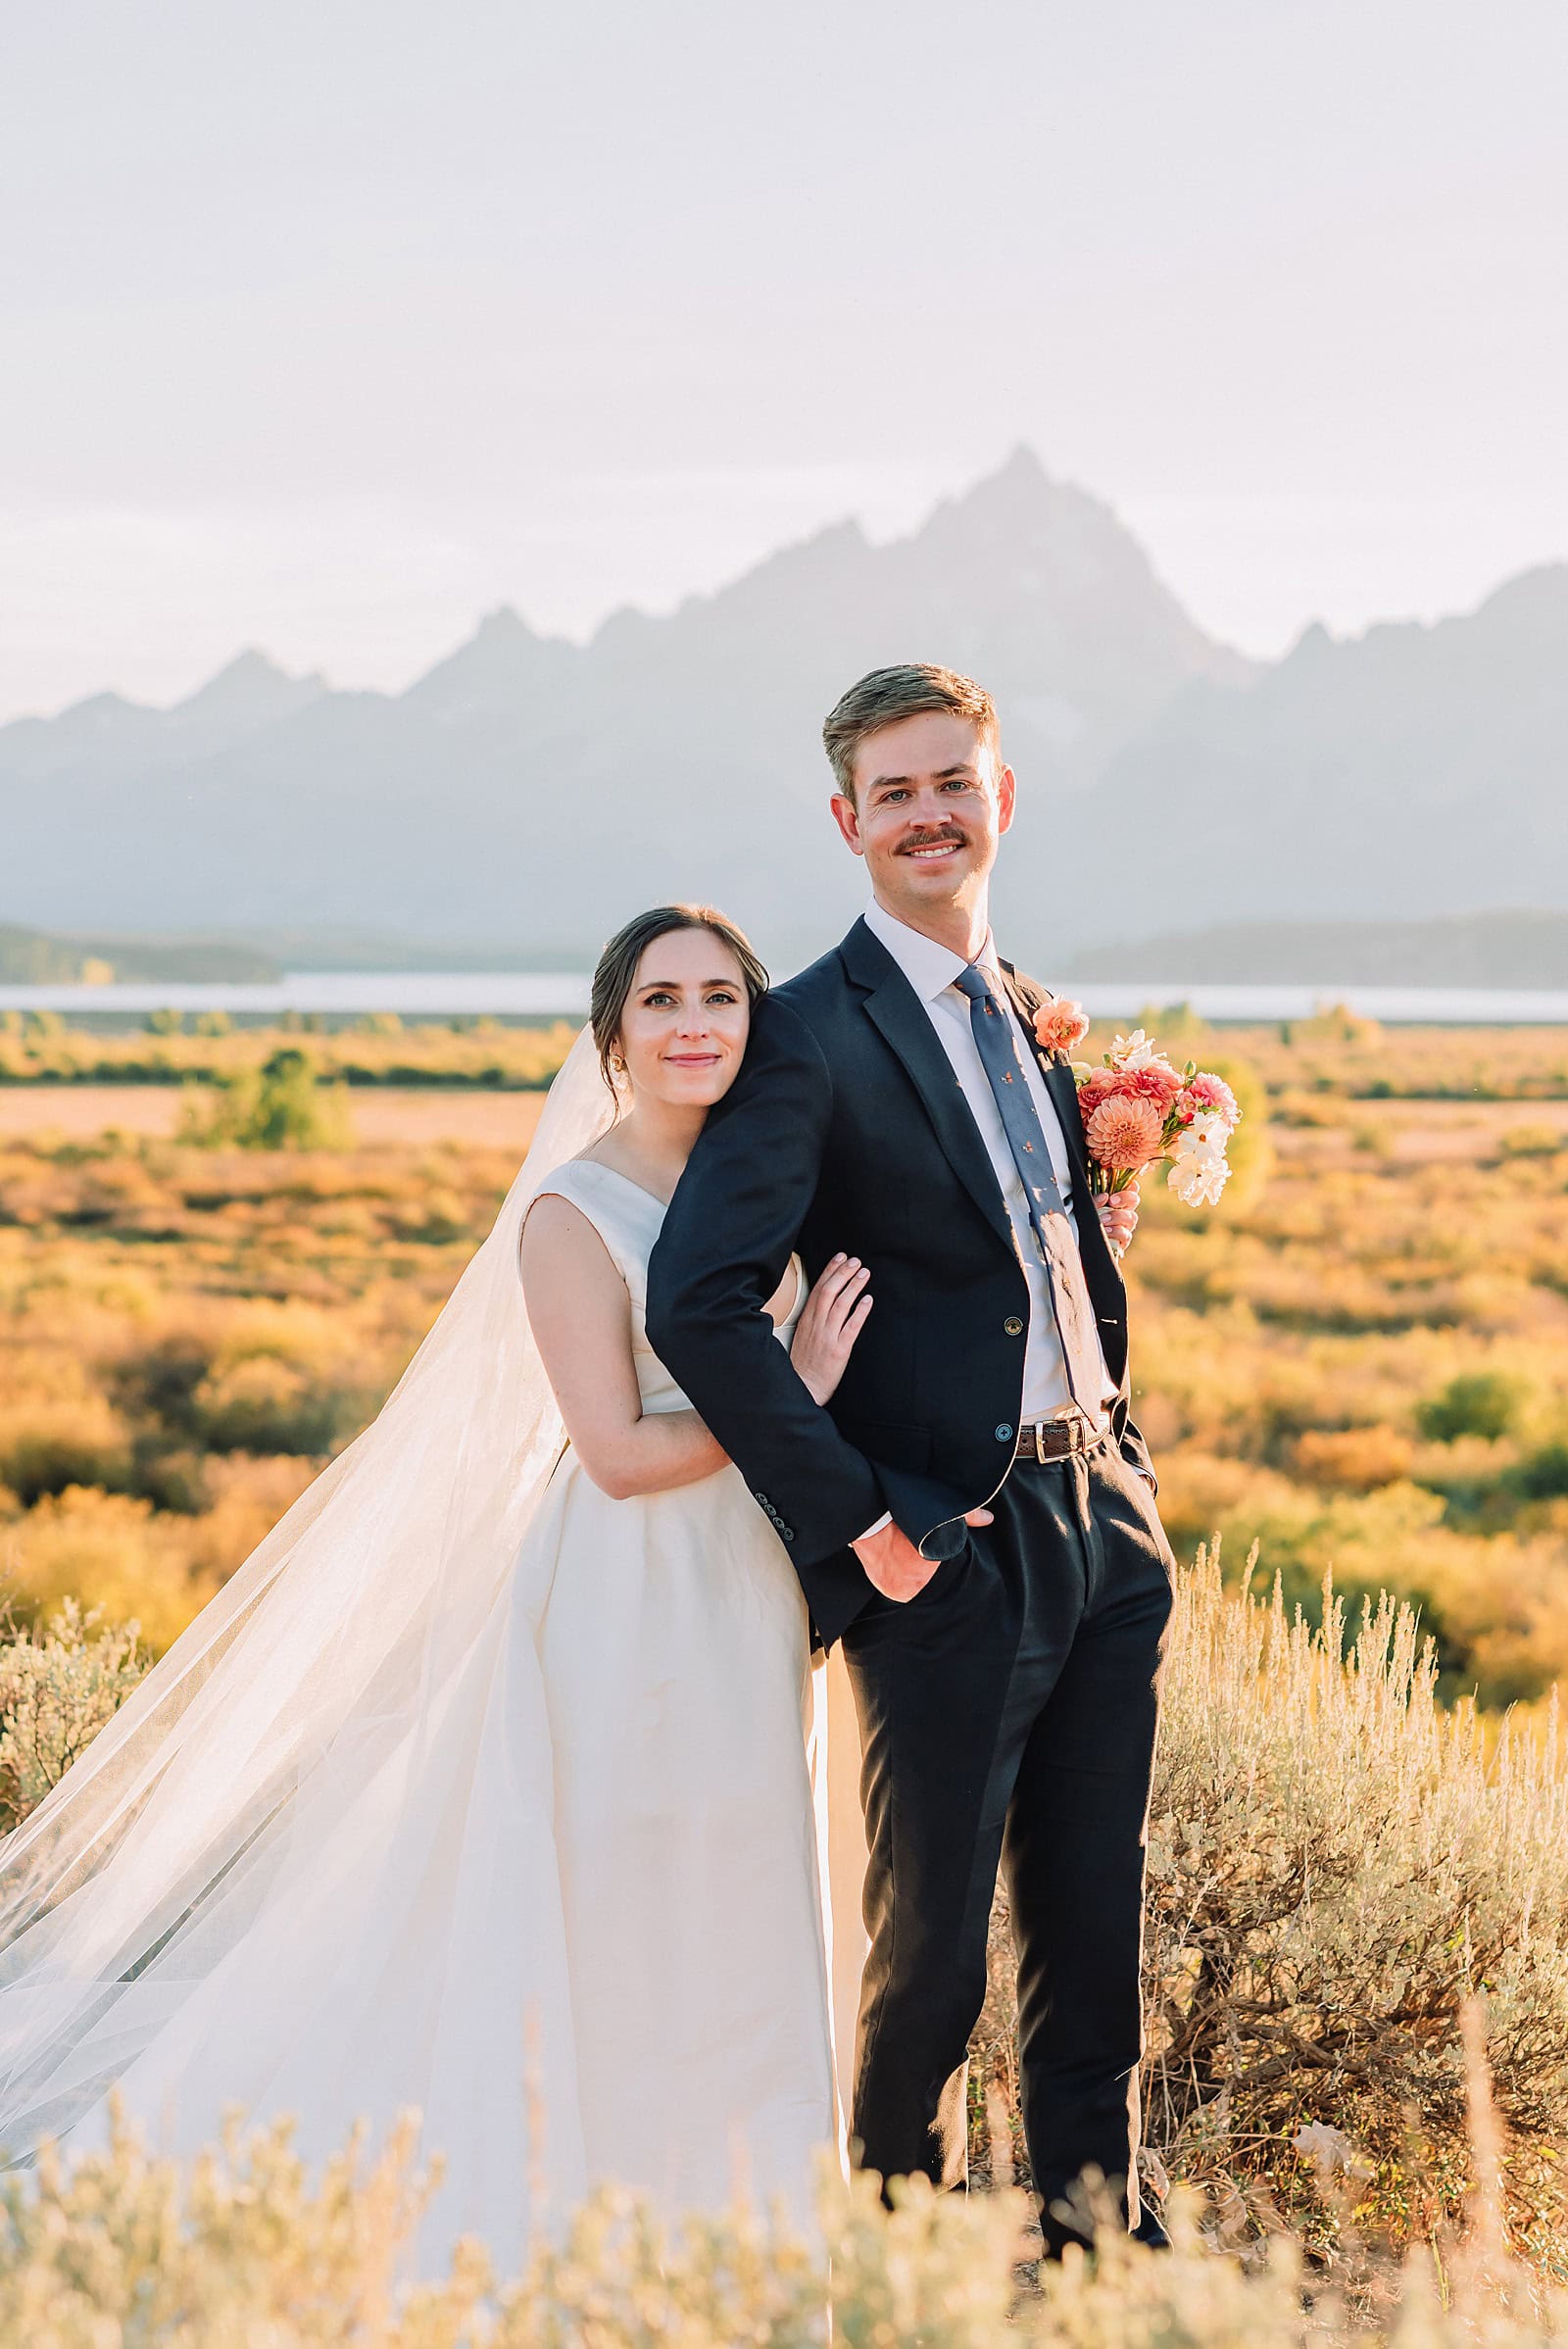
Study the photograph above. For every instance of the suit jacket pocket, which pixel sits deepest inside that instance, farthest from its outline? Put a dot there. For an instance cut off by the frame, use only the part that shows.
(893, 1444)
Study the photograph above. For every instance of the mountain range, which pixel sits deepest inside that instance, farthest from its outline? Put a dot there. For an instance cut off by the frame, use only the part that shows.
(532, 790)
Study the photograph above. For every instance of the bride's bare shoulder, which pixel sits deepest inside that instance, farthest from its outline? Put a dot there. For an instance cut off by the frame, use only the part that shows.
(557, 1215)
(565, 1256)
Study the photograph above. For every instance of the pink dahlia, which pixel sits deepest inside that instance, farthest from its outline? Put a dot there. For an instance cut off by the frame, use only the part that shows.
(1060, 1025)
(1208, 1091)
(1157, 1081)
(1125, 1132)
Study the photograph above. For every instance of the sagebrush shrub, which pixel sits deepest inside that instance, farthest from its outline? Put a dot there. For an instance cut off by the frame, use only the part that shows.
(1337, 1864)
(58, 1687)
(245, 2248)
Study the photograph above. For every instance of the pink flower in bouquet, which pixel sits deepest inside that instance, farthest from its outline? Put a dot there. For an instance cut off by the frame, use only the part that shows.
(1060, 1025)
(1208, 1091)
(1098, 1086)
(1155, 1081)
(1125, 1132)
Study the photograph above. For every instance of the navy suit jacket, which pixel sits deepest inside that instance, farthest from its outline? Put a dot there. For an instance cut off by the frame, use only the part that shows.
(846, 1128)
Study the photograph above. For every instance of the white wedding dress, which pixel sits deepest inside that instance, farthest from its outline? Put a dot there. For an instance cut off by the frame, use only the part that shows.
(675, 1659)
(545, 1863)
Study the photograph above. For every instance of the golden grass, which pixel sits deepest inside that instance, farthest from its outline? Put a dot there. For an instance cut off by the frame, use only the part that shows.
(1292, 1352)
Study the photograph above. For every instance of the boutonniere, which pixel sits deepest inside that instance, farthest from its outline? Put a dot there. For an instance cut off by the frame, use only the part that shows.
(1059, 1025)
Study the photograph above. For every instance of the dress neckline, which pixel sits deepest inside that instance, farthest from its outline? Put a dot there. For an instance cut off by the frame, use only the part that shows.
(663, 1205)
(641, 1188)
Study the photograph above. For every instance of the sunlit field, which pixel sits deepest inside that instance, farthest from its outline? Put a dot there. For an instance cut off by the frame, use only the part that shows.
(1358, 1359)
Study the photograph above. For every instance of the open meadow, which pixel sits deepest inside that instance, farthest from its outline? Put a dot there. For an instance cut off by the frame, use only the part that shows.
(1359, 1359)
(1358, 1363)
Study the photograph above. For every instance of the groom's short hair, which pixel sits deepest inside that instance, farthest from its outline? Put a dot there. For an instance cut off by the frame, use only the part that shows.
(888, 694)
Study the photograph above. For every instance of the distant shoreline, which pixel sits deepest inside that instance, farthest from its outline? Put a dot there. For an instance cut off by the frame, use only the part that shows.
(563, 994)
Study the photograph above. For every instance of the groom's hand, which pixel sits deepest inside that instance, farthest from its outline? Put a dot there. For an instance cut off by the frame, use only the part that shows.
(1119, 1214)
(894, 1567)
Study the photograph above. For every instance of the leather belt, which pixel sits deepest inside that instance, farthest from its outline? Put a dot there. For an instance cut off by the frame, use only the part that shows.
(1059, 1439)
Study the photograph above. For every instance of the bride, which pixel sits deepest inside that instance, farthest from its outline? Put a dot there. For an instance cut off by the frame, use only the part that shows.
(482, 1788)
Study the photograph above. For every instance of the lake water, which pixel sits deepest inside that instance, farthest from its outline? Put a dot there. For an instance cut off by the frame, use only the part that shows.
(449, 995)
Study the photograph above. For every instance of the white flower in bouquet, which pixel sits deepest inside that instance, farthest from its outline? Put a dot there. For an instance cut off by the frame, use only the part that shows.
(1199, 1169)
(1135, 1051)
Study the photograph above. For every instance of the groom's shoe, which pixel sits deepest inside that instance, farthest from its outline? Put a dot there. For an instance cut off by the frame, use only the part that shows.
(1149, 2232)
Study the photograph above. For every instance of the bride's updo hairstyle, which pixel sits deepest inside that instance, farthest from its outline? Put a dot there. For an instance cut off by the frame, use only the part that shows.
(615, 972)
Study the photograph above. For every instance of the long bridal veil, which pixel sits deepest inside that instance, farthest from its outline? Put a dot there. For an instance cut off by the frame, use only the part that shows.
(255, 1789)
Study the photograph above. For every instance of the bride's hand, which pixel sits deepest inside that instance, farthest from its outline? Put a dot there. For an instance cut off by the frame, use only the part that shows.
(831, 1319)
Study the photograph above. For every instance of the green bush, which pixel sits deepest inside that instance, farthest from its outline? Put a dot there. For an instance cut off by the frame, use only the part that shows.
(1481, 1402)
(1543, 1476)
(283, 1106)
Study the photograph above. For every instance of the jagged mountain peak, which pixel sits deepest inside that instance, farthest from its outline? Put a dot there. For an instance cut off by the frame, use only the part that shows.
(251, 682)
(497, 670)
(504, 625)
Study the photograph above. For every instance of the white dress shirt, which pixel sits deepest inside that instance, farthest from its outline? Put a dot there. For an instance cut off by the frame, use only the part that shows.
(931, 970)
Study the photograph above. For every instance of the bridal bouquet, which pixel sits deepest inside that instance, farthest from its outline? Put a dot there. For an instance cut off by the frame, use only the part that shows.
(1136, 1108)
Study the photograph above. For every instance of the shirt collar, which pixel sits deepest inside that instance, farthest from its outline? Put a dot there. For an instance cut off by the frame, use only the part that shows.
(930, 968)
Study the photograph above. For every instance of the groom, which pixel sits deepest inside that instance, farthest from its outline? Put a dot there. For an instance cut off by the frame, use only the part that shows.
(973, 1513)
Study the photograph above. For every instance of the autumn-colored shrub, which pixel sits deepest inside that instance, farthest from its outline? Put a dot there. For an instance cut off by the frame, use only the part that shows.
(111, 1551)
(1357, 1459)
(52, 1442)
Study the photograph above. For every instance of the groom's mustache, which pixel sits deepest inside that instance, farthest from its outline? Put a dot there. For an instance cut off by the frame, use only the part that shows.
(933, 840)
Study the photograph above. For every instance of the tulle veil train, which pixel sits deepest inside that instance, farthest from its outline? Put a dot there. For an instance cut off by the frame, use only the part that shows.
(256, 1869)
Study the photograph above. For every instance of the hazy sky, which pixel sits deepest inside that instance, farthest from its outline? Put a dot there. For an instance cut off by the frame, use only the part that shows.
(327, 326)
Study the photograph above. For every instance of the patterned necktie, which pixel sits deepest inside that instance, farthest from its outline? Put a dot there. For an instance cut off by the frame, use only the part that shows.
(997, 1041)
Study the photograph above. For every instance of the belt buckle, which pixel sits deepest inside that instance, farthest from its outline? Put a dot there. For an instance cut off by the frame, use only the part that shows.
(1077, 1428)
(1040, 1443)
(1067, 1420)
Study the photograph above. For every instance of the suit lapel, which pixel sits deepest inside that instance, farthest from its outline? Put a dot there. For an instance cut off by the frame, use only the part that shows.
(904, 1025)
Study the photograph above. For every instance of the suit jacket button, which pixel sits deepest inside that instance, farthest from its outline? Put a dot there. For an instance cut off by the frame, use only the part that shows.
(1004, 1434)
(1013, 1326)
